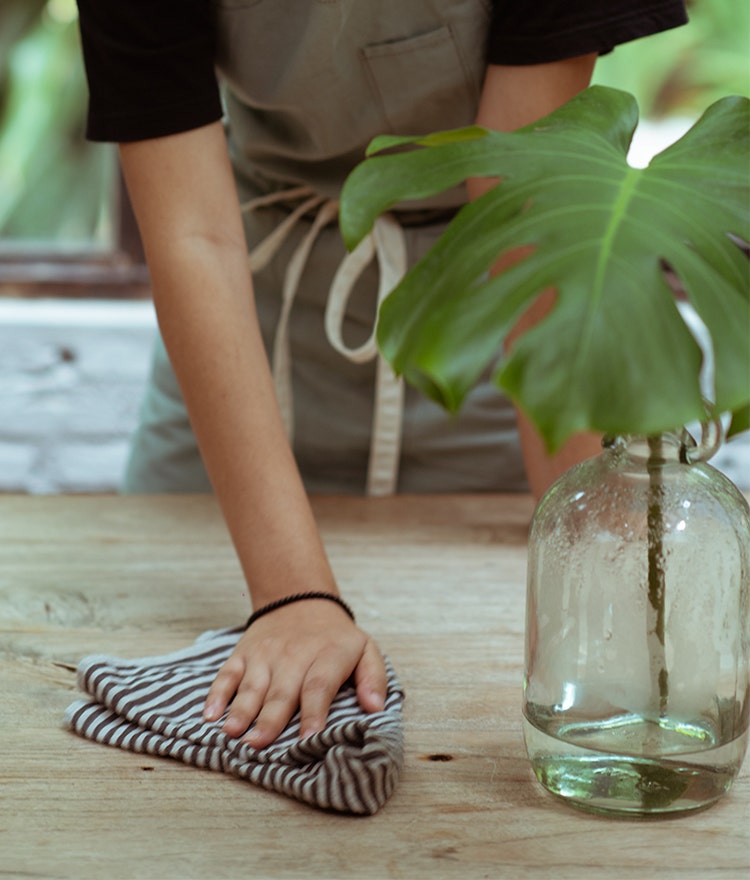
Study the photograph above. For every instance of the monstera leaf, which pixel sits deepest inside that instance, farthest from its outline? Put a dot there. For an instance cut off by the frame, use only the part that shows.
(614, 354)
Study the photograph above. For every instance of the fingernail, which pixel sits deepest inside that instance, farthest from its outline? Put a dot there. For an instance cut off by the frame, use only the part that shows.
(211, 712)
(233, 727)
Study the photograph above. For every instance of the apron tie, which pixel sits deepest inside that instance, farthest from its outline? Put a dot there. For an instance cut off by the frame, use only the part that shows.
(387, 242)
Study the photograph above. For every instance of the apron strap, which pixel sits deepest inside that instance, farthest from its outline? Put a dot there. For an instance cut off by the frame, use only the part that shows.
(261, 255)
(387, 242)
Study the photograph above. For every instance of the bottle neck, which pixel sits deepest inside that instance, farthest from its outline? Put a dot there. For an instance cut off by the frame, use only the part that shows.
(660, 448)
(669, 447)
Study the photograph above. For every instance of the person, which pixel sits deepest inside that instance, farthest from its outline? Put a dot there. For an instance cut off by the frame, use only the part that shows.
(259, 166)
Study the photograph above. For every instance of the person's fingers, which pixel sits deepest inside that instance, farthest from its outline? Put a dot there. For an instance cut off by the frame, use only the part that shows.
(303, 673)
(371, 679)
(248, 700)
(320, 686)
(224, 688)
(280, 703)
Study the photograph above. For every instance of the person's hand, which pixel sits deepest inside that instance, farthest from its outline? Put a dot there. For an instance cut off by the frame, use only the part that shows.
(297, 656)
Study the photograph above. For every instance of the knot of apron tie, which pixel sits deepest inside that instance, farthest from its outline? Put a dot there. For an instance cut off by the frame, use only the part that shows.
(386, 243)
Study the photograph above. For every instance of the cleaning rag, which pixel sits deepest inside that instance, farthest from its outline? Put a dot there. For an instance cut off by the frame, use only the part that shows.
(154, 705)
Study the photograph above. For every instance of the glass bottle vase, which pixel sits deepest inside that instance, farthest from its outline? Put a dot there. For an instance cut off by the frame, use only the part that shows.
(636, 683)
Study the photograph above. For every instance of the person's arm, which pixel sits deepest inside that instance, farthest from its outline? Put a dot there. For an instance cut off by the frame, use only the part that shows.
(511, 98)
(188, 213)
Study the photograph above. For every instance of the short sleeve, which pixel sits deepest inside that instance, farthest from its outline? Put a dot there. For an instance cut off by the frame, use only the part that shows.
(150, 67)
(552, 30)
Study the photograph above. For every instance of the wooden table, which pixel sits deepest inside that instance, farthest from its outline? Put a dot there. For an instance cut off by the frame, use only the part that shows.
(438, 581)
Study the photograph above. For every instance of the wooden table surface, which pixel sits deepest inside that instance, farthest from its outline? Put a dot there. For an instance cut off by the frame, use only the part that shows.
(439, 581)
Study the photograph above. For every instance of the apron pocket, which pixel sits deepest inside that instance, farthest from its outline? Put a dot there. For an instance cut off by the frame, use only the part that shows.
(422, 83)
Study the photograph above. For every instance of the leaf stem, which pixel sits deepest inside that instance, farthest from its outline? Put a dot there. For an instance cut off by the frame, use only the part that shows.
(656, 576)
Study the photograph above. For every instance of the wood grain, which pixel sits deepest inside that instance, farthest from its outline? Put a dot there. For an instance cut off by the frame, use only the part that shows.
(438, 581)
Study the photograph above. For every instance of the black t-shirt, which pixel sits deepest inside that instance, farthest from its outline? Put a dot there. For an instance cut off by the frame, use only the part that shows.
(150, 63)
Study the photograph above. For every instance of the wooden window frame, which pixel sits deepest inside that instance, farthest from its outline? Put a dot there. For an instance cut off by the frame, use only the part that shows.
(85, 273)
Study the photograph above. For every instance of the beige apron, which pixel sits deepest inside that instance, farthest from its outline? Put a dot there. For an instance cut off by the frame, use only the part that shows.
(308, 85)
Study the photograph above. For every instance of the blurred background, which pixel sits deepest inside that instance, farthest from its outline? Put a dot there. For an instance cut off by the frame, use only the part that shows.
(76, 322)
(55, 189)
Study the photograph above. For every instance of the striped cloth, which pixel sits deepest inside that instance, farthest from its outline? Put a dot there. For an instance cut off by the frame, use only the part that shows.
(154, 705)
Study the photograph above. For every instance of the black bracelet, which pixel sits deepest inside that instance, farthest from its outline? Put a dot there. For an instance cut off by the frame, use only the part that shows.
(297, 597)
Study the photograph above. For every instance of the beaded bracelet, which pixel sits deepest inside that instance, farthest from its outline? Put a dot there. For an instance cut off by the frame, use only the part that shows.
(297, 597)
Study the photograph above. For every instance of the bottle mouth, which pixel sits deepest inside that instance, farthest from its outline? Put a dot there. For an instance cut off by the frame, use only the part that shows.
(668, 447)
(710, 434)
(672, 445)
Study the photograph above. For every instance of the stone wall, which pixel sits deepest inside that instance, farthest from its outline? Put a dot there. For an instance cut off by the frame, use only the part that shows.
(72, 375)
(71, 378)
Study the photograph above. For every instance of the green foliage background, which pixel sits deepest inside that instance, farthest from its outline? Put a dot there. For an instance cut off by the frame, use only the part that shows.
(682, 71)
(54, 186)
